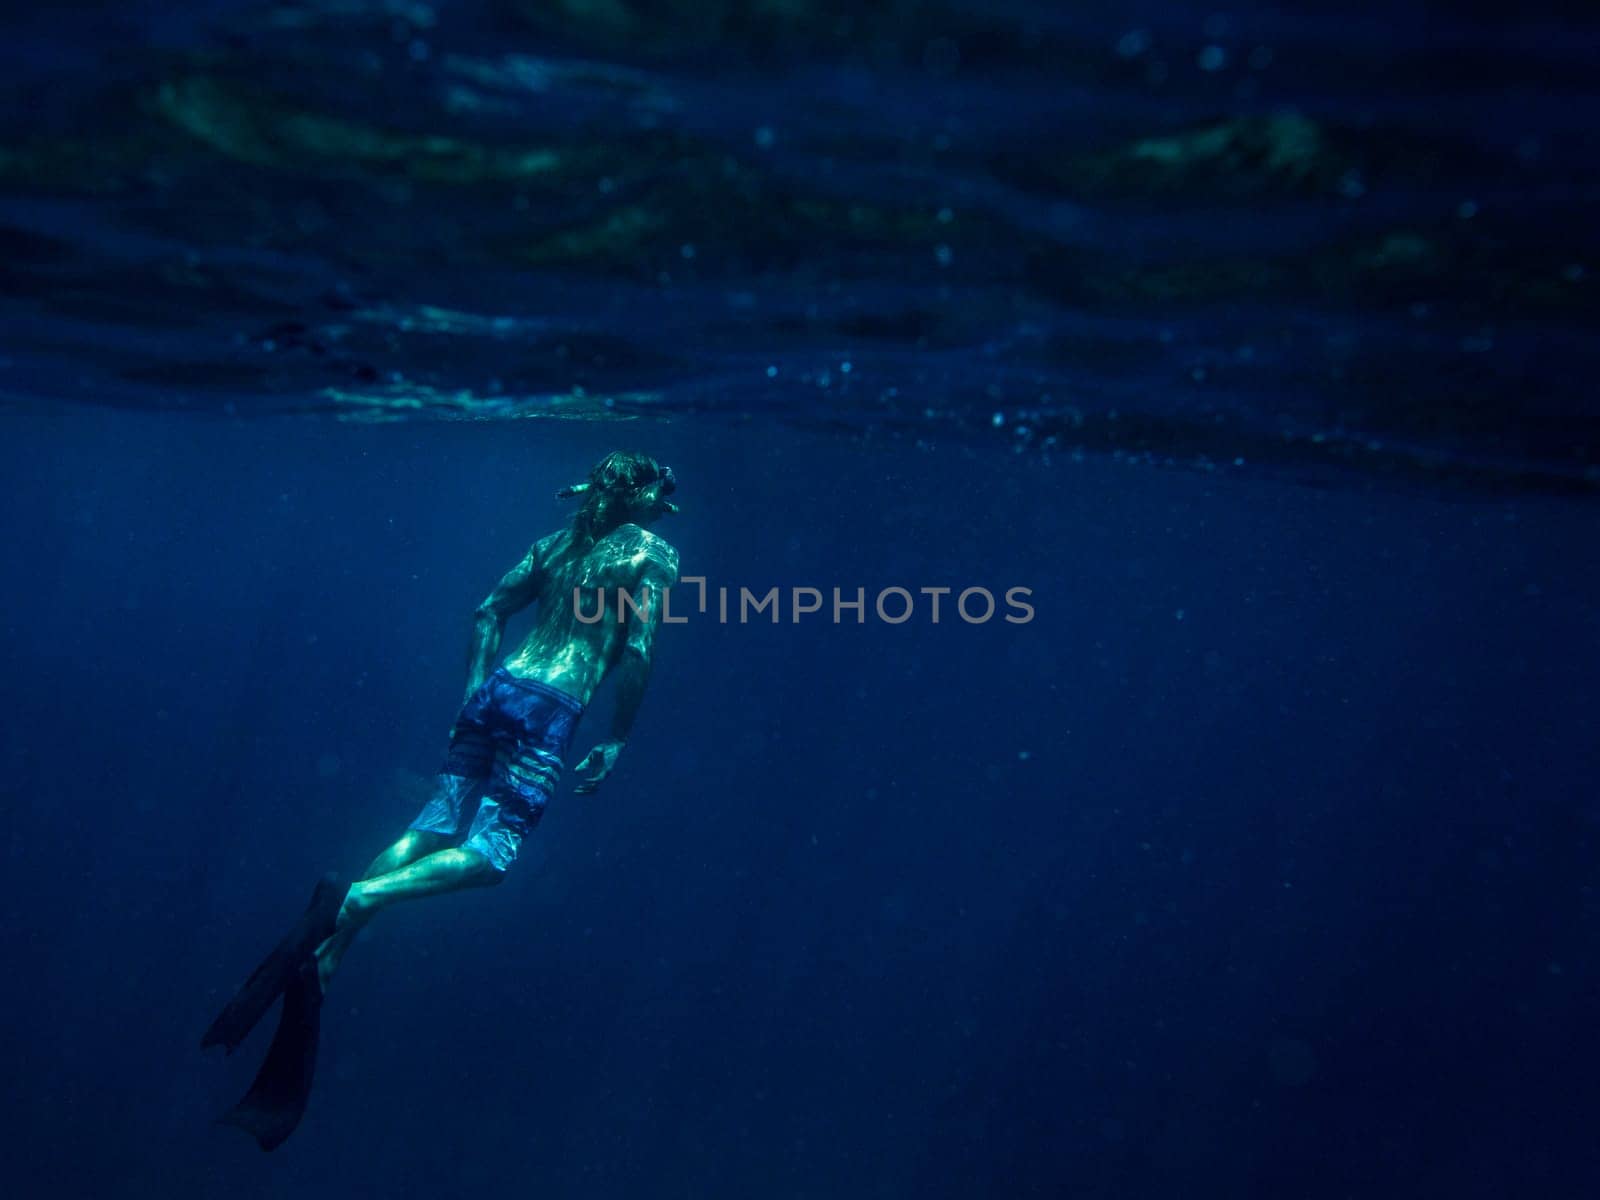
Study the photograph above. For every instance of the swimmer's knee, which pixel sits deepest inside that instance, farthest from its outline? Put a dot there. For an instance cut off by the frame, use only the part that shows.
(484, 869)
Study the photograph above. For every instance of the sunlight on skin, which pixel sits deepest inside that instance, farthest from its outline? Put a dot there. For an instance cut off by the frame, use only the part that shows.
(606, 548)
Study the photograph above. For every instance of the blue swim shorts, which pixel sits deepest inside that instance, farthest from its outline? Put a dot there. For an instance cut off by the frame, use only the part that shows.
(505, 749)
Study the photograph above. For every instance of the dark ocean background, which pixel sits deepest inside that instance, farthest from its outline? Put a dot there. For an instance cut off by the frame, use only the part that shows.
(1259, 343)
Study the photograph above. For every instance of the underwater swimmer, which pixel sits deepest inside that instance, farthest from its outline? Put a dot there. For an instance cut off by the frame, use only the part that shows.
(505, 753)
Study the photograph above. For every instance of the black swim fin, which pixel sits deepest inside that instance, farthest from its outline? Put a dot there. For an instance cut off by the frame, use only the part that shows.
(279, 969)
(272, 1108)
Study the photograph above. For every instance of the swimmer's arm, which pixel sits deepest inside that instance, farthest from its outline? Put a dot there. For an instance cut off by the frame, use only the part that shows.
(633, 671)
(511, 595)
(633, 677)
(632, 668)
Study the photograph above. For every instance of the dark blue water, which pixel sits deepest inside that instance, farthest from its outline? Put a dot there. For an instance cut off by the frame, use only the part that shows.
(1261, 862)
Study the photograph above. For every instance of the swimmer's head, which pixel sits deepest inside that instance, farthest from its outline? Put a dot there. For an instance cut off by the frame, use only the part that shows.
(624, 486)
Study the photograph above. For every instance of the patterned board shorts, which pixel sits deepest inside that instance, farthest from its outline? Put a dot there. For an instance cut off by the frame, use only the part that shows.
(507, 743)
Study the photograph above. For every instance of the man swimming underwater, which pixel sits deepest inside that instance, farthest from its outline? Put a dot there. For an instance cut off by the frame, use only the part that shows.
(505, 752)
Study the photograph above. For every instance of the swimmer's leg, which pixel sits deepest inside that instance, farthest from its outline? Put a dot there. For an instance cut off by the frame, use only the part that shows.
(447, 870)
(412, 845)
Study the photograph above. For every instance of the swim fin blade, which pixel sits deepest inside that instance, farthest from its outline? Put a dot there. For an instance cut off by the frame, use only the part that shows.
(271, 1110)
(279, 969)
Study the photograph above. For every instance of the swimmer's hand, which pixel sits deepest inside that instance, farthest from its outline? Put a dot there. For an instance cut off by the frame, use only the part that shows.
(596, 765)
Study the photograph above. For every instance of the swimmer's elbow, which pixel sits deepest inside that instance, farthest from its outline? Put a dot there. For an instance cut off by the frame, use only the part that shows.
(635, 656)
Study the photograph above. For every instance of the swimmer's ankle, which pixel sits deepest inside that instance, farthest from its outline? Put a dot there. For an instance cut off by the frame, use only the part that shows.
(356, 910)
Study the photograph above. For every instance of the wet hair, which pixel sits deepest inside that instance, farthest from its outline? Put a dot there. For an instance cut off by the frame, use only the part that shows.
(614, 482)
(625, 471)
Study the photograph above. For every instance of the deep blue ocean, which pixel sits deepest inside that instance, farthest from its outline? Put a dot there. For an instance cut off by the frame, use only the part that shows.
(1258, 344)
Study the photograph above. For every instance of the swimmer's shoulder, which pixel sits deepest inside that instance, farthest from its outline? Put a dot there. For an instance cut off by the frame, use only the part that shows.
(550, 547)
(647, 556)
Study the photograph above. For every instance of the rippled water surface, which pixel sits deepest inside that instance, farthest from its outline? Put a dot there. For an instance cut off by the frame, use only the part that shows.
(1333, 243)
